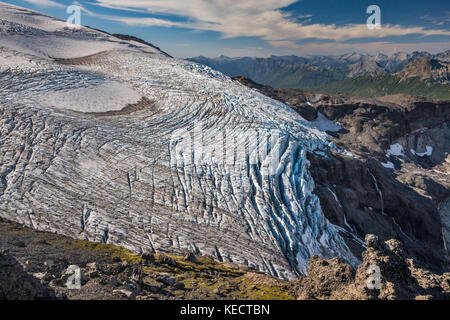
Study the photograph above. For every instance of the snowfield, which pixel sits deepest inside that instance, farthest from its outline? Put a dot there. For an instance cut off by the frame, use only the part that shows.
(125, 145)
(324, 124)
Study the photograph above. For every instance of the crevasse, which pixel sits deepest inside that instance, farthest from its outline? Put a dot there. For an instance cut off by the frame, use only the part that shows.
(205, 164)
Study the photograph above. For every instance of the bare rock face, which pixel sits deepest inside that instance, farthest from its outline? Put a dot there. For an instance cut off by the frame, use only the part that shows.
(17, 284)
(399, 277)
(386, 261)
(365, 67)
(361, 195)
(325, 279)
(297, 99)
(394, 181)
(427, 68)
(397, 182)
(385, 273)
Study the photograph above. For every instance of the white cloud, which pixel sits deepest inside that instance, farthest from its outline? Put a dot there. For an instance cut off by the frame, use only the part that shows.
(148, 22)
(253, 18)
(45, 3)
(439, 21)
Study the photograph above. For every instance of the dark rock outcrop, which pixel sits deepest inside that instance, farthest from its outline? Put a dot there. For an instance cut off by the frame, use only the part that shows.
(385, 273)
(427, 68)
(17, 284)
(297, 99)
(139, 40)
(406, 198)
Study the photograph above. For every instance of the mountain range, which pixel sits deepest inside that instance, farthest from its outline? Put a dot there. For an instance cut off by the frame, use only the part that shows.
(362, 74)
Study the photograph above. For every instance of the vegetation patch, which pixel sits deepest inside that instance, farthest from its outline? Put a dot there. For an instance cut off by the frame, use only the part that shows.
(368, 86)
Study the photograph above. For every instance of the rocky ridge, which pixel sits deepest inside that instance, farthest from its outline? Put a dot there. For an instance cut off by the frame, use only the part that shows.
(35, 265)
(385, 274)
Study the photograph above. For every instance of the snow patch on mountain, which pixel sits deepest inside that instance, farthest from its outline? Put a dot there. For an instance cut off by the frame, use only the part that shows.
(429, 152)
(35, 33)
(324, 124)
(395, 149)
(388, 165)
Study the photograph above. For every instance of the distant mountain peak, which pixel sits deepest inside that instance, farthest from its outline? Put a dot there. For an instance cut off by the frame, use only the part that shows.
(426, 68)
(365, 67)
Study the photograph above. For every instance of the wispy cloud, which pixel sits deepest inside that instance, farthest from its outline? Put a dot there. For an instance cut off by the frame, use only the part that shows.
(331, 48)
(45, 3)
(438, 21)
(253, 18)
(374, 47)
(145, 22)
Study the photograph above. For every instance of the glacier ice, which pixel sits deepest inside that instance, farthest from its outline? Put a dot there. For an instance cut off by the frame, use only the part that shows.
(206, 164)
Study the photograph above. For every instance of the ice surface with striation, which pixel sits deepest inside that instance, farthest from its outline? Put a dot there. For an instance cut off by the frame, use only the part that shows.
(205, 164)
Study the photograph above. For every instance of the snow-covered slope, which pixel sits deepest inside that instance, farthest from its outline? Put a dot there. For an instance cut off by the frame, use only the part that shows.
(34, 33)
(108, 141)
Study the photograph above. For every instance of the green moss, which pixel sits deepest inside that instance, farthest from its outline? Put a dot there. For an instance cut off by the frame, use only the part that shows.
(104, 249)
(204, 266)
(235, 287)
(208, 275)
(250, 291)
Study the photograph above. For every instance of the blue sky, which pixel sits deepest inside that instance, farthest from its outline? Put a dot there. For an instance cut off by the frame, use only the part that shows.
(186, 28)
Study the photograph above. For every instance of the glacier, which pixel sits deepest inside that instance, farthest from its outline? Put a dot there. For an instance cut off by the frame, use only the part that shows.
(112, 141)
